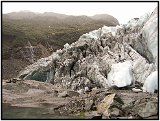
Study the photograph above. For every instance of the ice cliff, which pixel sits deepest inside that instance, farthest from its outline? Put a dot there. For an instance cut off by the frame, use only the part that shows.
(110, 56)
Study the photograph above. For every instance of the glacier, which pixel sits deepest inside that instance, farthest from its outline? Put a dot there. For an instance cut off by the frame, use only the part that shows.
(109, 56)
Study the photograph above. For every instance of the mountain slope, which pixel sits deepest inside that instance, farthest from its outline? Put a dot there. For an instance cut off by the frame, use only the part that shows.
(106, 17)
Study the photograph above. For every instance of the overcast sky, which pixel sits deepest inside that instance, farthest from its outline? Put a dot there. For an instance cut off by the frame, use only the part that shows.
(123, 11)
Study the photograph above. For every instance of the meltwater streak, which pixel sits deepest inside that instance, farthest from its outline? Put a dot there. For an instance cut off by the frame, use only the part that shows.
(31, 51)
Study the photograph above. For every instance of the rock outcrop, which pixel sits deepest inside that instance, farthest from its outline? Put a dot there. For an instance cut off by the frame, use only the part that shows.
(110, 56)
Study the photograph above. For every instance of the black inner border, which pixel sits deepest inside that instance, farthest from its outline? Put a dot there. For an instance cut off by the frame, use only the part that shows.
(74, 2)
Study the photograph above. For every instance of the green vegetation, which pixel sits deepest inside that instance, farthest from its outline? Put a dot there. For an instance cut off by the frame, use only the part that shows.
(46, 30)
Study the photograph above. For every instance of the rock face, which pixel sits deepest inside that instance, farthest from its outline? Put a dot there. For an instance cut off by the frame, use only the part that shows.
(110, 56)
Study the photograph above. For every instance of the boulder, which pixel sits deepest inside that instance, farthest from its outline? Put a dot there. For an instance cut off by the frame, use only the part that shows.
(148, 109)
(103, 107)
(108, 104)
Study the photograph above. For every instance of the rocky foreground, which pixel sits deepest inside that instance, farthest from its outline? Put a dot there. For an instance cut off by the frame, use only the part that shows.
(108, 73)
(97, 103)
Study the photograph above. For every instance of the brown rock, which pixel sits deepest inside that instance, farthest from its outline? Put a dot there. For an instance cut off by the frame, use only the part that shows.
(103, 107)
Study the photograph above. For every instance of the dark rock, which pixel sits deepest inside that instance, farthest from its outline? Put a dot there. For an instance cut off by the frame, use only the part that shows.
(92, 115)
(97, 117)
(14, 80)
(8, 81)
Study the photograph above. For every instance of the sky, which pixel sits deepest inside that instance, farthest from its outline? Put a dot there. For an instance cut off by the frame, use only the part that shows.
(123, 11)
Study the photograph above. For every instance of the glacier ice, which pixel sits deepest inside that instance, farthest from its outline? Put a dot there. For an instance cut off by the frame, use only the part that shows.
(106, 57)
(138, 21)
(150, 34)
(151, 83)
(96, 34)
(40, 69)
(120, 74)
